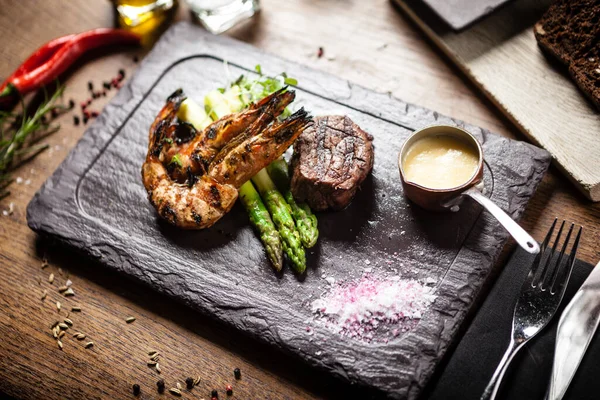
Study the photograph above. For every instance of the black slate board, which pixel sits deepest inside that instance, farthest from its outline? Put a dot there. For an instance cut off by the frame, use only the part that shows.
(95, 203)
(475, 358)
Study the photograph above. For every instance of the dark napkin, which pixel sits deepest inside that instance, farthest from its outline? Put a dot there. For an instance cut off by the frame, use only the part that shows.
(475, 358)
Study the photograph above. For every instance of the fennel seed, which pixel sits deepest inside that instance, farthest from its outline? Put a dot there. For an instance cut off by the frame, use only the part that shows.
(68, 322)
(44, 294)
(58, 306)
(197, 381)
(152, 363)
(76, 309)
(55, 332)
(62, 289)
(69, 292)
(89, 344)
(130, 319)
(175, 392)
(61, 334)
(51, 278)
(39, 280)
(178, 385)
(63, 326)
(60, 271)
(60, 345)
(80, 336)
(152, 353)
(157, 367)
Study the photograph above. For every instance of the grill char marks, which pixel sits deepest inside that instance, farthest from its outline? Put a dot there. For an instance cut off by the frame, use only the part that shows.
(331, 159)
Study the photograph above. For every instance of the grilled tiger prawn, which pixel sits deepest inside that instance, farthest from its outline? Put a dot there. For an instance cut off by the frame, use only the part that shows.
(192, 177)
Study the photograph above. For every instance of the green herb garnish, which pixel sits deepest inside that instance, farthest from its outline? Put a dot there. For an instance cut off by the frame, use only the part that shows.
(176, 160)
(20, 136)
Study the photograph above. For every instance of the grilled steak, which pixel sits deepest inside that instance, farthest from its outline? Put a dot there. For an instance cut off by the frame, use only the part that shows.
(330, 161)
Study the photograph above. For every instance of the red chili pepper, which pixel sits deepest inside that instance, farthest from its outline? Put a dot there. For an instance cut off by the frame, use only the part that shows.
(52, 59)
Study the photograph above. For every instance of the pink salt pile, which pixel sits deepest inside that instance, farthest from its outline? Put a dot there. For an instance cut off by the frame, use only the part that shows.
(360, 308)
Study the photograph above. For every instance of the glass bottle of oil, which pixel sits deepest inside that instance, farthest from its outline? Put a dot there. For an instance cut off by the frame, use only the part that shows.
(145, 17)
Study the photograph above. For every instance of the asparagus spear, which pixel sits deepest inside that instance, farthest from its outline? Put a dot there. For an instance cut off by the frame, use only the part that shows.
(281, 214)
(306, 221)
(259, 217)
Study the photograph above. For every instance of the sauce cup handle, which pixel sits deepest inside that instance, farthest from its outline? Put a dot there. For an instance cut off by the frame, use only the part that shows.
(519, 234)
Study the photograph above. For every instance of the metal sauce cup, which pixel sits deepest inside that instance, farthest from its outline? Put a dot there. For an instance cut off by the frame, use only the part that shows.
(450, 199)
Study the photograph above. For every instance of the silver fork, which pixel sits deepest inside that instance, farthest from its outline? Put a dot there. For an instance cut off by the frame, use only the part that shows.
(540, 296)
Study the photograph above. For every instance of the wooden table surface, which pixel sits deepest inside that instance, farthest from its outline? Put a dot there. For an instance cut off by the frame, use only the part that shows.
(368, 43)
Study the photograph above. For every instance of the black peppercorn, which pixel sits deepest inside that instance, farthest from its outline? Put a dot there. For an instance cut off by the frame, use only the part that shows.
(106, 85)
(85, 119)
(122, 72)
(229, 390)
(214, 393)
(90, 85)
(237, 373)
(136, 389)
(135, 59)
(189, 382)
(71, 103)
(75, 119)
(161, 385)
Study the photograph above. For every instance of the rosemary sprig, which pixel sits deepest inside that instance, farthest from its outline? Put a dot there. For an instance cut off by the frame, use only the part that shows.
(16, 129)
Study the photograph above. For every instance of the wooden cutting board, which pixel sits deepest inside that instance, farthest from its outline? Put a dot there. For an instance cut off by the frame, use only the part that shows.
(96, 204)
(500, 55)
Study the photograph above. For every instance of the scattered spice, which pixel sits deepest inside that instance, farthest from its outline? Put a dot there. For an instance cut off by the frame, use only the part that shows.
(58, 306)
(152, 353)
(130, 319)
(197, 381)
(71, 103)
(69, 292)
(62, 289)
(135, 59)
(60, 271)
(214, 393)
(175, 392)
(229, 390)
(178, 385)
(75, 120)
(90, 86)
(60, 345)
(76, 309)
(106, 85)
(89, 344)
(68, 322)
(152, 363)
(136, 387)
(63, 326)
(61, 334)
(68, 283)
(161, 385)
(237, 373)
(189, 383)
(44, 294)
(80, 336)
(157, 368)
(320, 52)
(51, 278)
(44, 263)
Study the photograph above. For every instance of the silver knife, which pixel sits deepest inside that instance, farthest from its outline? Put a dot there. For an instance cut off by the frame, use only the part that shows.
(576, 328)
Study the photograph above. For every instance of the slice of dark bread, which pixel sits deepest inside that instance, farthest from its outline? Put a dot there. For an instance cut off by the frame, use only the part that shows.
(570, 31)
